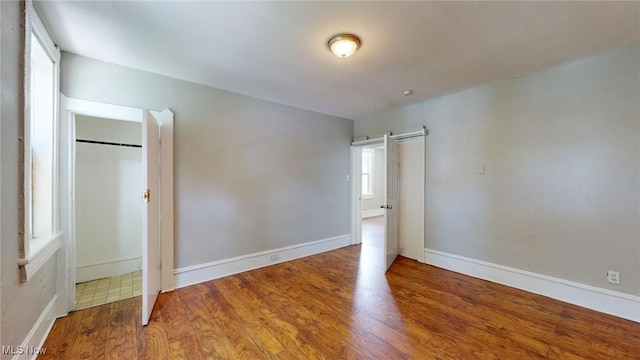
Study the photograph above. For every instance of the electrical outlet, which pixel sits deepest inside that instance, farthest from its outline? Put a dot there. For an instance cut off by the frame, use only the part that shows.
(275, 257)
(613, 277)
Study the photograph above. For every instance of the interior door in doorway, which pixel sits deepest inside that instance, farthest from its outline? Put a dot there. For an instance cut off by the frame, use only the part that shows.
(150, 214)
(392, 197)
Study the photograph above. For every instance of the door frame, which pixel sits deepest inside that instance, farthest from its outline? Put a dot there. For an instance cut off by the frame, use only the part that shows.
(67, 262)
(356, 165)
(356, 194)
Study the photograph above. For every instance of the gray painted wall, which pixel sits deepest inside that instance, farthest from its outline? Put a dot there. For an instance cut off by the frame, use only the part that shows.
(22, 304)
(561, 192)
(250, 175)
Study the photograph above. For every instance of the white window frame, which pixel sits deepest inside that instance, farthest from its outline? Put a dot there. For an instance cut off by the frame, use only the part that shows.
(371, 157)
(37, 251)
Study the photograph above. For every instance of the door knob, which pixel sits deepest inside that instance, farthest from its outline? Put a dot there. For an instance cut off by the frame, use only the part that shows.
(389, 207)
(382, 206)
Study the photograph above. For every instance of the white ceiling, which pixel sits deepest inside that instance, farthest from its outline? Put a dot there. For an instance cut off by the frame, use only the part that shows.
(277, 50)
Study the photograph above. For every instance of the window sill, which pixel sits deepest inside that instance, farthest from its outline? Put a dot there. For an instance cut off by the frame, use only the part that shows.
(41, 250)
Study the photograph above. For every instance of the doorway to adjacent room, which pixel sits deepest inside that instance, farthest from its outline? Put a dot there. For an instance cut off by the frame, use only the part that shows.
(393, 222)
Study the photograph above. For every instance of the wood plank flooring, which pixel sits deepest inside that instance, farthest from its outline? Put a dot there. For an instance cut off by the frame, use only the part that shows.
(339, 305)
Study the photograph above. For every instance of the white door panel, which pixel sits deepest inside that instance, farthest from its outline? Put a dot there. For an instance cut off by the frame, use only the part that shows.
(392, 197)
(150, 214)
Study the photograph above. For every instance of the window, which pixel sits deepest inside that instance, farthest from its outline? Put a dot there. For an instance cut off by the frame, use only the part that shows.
(41, 135)
(41, 238)
(367, 173)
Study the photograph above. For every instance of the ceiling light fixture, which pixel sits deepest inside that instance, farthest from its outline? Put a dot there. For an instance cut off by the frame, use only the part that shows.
(343, 45)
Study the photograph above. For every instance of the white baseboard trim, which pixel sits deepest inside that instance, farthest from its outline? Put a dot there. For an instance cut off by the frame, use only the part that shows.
(107, 268)
(607, 301)
(204, 272)
(32, 344)
(372, 213)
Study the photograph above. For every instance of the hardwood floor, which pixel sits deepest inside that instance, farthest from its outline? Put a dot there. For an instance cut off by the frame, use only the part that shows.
(339, 305)
(373, 232)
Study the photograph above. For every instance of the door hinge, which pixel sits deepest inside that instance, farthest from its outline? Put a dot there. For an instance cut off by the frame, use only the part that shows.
(145, 195)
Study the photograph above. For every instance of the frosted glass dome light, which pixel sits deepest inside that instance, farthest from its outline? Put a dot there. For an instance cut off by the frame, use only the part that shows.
(344, 45)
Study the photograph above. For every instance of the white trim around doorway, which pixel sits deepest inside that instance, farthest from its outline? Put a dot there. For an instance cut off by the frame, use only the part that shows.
(356, 214)
(67, 259)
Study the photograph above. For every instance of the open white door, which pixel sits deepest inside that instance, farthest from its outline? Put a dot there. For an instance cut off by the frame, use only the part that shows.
(392, 197)
(150, 214)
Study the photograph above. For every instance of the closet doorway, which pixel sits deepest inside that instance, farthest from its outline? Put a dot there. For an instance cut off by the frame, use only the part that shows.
(154, 193)
(108, 178)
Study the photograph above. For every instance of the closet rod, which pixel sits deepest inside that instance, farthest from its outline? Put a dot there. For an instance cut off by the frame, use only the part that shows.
(107, 143)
